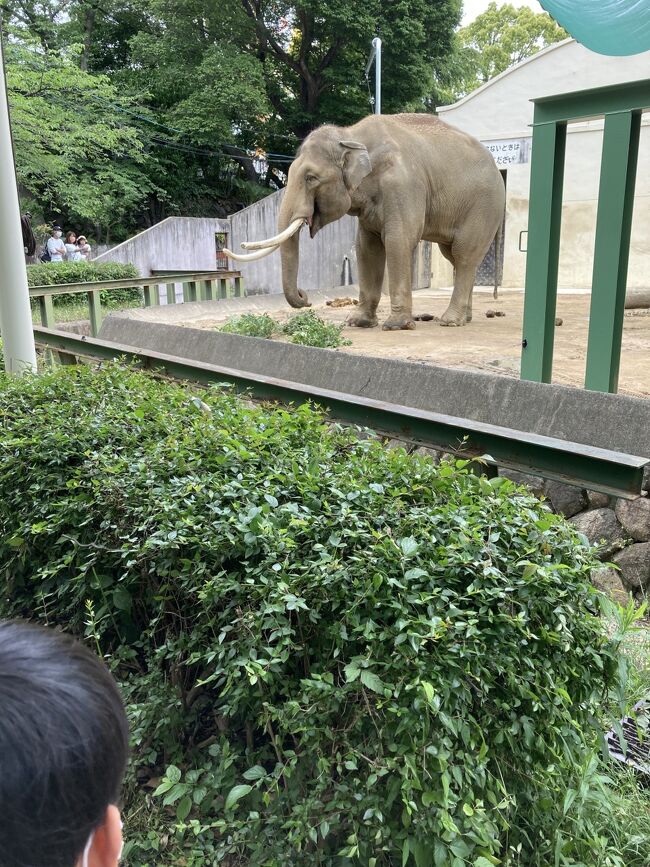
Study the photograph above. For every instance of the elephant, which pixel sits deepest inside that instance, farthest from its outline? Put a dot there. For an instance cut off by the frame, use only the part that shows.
(407, 177)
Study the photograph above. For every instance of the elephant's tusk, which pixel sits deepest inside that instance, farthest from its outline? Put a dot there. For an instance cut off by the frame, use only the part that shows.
(291, 229)
(250, 257)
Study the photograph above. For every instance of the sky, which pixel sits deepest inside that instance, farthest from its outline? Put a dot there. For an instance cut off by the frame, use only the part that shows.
(472, 8)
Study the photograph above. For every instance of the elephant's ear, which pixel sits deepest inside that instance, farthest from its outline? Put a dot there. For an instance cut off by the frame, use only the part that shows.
(356, 163)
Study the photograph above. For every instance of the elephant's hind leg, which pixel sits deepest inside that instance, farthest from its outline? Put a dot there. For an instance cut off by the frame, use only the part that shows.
(371, 260)
(460, 307)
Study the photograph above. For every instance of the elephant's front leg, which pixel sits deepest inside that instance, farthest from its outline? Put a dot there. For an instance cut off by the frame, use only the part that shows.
(371, 260)
(460, 307)
(399, 257)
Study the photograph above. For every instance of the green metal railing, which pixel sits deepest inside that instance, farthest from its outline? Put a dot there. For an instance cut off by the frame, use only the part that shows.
(621, 105)
(198, 286)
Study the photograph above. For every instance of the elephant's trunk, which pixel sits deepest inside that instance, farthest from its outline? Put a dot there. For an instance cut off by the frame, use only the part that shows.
(290, 259)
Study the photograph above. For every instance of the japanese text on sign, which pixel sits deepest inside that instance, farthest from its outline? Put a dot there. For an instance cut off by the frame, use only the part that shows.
(510, 152)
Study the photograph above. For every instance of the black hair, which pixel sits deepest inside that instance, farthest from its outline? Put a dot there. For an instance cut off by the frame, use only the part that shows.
(63, 746)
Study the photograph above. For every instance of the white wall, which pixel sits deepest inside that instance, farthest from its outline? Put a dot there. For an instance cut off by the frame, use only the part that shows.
(502, 109)
(175, 244)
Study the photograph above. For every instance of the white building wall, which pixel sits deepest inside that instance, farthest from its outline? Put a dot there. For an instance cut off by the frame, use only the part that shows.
(174, 244)
(502, 110)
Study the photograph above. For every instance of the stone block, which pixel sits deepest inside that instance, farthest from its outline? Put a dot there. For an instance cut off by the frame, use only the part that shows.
(634, 515)
(566, 500)
(634, 563)
(433, 454)
(596, 500)
(609, 581)
(602, 528)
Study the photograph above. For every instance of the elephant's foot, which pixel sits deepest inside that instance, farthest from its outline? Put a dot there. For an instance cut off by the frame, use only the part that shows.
(361, 319)
(399, 322)
(452, 318)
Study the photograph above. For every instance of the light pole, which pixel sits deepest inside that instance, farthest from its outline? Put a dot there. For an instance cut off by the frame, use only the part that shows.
(15, 312)
(375, 54)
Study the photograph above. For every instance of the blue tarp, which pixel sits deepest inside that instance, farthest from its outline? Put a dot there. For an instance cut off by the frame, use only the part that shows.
(615, 27)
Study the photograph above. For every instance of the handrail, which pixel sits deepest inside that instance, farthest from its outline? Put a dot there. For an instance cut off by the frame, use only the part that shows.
(197, 286)
(129, 282)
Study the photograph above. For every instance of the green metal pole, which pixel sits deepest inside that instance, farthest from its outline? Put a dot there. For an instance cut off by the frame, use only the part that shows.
(15, 311)
(544, 218)
(612, 249)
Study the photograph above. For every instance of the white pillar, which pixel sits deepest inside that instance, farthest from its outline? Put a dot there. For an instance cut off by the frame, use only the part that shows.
(376, 43)
(15, 313)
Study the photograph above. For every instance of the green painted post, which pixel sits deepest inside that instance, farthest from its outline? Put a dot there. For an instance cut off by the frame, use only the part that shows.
(230, 293)
(151, 297)
(46, 308)
(612, 248)
(239, 287)
(95, 307)
(171, 293)
(545, 214)
(206, 290)
(189, 291)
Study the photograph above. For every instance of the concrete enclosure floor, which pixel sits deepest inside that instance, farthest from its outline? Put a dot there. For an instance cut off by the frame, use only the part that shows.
(488, 344)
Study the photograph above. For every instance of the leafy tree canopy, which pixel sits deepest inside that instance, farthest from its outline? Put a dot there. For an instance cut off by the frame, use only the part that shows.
(75, 154)
(493, 42)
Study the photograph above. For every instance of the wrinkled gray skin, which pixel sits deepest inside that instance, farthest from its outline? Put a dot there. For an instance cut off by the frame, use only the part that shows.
(406, 177)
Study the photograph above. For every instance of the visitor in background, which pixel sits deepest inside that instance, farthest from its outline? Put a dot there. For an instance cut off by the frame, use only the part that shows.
(63, 751)
(71, 248)
(55, 246)
(84, 248)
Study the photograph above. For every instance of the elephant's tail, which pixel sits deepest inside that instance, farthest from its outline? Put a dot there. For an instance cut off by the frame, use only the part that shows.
(497, 250)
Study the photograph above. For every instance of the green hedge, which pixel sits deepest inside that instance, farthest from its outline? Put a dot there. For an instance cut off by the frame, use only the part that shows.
(333, 653)
(53, 274)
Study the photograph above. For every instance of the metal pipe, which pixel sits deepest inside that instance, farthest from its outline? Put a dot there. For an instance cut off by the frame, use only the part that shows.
(377, 46)
(15, 311)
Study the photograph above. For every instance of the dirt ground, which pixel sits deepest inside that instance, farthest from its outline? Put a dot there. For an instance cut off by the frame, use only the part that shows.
(494, 344)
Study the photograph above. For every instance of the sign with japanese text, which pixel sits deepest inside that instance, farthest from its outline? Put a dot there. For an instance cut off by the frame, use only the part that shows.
(509, 152)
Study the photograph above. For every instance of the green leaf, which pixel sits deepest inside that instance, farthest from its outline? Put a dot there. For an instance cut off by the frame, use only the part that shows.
(183, 808)
(409, 546)
(254, 773)
(352, 672)
(173, 774)
(406, 851)
(371, 681)
(236, 794)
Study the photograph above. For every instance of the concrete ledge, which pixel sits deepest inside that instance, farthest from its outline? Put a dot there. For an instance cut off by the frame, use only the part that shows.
(608, 421)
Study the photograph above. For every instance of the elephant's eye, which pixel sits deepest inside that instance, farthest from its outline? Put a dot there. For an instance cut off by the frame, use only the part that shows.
(311, 179)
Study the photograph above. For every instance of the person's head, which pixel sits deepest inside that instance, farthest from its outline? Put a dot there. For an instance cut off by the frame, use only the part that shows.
(63, 752)
(81, 240)
(71, 238)
(56, 231)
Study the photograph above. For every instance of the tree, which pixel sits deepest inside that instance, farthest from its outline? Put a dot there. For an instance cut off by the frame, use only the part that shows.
(492, 43)
(76, 153)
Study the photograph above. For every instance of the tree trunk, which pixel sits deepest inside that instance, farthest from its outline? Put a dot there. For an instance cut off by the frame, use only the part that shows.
(89, 27)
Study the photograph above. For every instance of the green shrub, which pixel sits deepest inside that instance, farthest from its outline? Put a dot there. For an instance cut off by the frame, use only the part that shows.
(310, 330)
(305, 328)
(251, 325)
(332, 653)
(85, 272)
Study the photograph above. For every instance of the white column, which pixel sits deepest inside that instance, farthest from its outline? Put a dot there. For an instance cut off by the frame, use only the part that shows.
(15, 313)
(376, 42)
